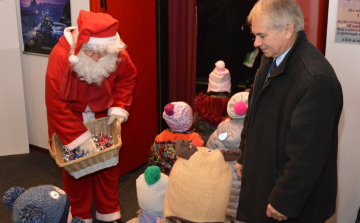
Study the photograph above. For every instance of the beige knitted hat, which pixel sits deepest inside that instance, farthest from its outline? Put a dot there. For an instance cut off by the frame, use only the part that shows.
(238, 105)
(199, 188)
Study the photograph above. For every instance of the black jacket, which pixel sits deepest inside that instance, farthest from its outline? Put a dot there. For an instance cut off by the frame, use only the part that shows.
(290, 139)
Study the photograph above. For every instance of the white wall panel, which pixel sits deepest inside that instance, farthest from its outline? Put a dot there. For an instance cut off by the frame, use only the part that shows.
(34, 69)
(345, 58)
(13, 126)
(9, 33)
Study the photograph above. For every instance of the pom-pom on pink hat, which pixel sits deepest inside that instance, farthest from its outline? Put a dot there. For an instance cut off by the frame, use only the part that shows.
(178, 116)
(237, 105)
(94, 28)
(219, 78)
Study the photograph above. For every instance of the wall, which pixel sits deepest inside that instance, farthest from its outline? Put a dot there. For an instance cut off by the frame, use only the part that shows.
(345, 60)
(13, 126)
(315, 18)
(34, 69)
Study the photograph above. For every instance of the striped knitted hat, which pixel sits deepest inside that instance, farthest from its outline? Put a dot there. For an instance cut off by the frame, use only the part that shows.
(219, 78)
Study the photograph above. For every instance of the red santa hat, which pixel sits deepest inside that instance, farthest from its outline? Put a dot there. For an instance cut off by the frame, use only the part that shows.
(94, 28)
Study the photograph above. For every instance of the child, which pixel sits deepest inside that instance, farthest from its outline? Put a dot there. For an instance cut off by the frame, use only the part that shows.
(42, 204)
(150, 187)
(210, 108)
(179, 118)
(227, 137)
(199, 184)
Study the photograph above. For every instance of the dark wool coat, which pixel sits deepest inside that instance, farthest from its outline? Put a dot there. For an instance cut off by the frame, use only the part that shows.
(290, 139)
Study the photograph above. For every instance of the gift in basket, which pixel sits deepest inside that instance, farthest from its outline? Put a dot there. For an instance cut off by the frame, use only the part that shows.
(94, 162)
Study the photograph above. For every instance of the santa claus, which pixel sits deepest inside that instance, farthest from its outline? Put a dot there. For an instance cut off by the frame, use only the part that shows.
(89, 76)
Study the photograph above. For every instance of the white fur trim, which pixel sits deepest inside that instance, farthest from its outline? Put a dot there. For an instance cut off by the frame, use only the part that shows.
(87, 109)
(119, 112)
(102, 41)
(88, 116)
(73, 59)
(96, 167)
(108, 217)
(88, 220)
(68, 35)
(79, 140)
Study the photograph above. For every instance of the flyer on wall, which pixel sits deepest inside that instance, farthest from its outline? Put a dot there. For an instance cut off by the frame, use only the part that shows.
(348, 22)
(43, 23)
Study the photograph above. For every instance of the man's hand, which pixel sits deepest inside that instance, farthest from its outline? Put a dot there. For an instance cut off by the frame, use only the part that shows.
(88, 147)
(238, 168)
(231, 155)
(112, 117)
(272, 213)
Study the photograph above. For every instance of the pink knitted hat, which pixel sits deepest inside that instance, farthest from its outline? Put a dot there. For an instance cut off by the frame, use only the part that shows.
(178, 116)
(219, 78)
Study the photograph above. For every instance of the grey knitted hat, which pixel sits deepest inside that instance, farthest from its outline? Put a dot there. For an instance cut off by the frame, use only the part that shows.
(237, 105)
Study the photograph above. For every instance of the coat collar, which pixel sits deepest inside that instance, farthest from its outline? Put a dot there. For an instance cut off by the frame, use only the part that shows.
(299, 43)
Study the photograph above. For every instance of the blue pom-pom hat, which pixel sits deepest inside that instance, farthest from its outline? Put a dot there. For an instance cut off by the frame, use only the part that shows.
(40, 204)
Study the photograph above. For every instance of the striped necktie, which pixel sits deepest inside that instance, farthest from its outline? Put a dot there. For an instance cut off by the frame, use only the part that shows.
(271, 70)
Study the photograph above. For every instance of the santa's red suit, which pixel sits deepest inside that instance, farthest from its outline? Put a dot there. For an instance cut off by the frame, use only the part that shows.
(71, 102)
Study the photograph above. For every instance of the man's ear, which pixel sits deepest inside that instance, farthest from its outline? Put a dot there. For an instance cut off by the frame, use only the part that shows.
(289, 30)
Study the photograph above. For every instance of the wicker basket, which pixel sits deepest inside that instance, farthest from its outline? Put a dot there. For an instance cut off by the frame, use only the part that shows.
(96, 161)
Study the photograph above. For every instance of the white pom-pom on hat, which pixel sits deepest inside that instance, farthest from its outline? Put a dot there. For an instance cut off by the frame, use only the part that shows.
(73, 59)
(220, 65)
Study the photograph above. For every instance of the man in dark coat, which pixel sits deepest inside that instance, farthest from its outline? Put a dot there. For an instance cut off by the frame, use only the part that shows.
(290, 135)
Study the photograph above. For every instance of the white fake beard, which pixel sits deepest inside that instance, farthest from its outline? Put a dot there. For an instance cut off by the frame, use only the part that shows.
(95, 72)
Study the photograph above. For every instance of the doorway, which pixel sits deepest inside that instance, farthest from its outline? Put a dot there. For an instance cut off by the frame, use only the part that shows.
(223, 34)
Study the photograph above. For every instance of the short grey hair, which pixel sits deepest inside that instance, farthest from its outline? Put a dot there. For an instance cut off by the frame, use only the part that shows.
(278, 14)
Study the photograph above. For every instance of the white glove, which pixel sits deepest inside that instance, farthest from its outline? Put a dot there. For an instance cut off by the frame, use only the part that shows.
(112, 117)
(88, 147)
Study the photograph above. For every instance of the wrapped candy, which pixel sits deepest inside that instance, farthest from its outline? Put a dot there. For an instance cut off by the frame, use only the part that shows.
(101, 141)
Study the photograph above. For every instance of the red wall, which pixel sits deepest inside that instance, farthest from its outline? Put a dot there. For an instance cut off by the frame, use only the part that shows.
(137, 29)
(315, 16)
